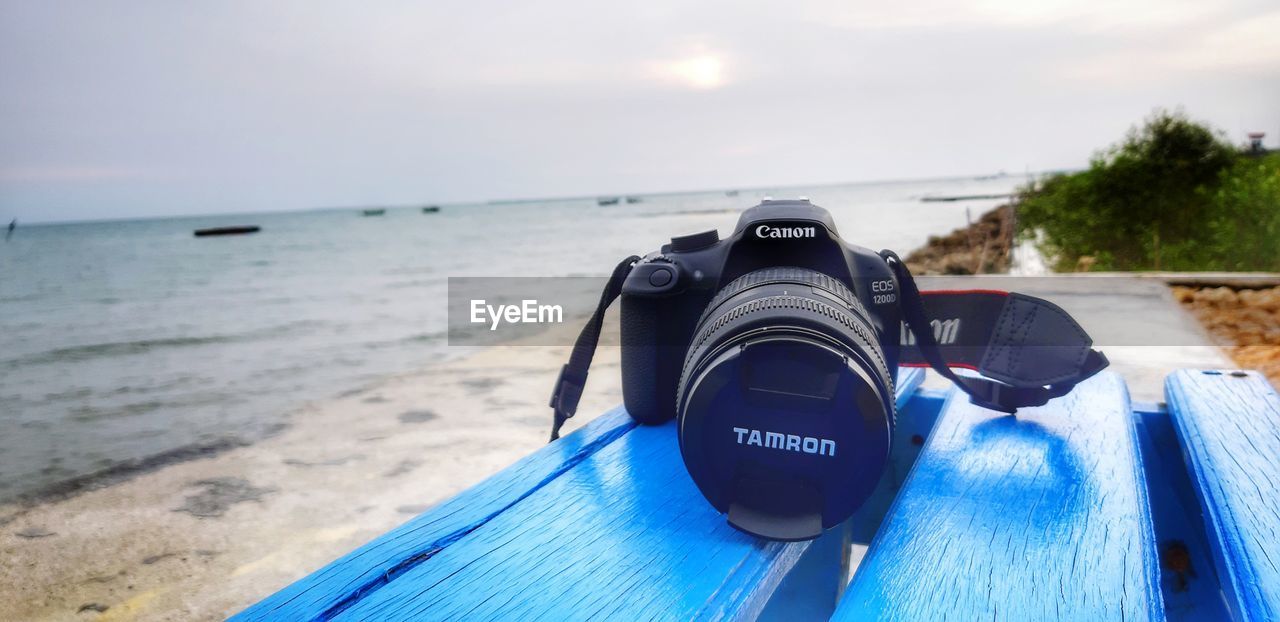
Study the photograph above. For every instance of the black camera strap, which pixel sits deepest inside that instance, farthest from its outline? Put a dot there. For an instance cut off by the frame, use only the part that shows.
(573, 376)
(1032, 348)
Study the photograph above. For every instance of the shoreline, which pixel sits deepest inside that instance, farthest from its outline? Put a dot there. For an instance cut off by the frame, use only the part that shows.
(70, 488)
(148, 543)
(126, 470)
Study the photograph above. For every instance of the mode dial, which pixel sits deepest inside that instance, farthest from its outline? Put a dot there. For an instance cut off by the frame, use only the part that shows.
(694, 242)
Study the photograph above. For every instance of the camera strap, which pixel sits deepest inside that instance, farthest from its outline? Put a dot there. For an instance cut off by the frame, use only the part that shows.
(1028, 349)
(573, 376)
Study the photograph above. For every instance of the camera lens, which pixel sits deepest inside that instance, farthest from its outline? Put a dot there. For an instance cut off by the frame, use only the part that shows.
(785, 403)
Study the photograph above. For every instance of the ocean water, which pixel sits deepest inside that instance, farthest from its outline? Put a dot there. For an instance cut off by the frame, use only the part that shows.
(123, 341)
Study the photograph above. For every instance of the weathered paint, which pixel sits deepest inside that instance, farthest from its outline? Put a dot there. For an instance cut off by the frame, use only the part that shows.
(916, 419)
(604, 523)
(1229, 426)
(814, 586)
(1042, 515)
(376, 564)
(1188, 583)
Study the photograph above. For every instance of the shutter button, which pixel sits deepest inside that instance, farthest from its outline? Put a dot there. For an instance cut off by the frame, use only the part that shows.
(660, 277)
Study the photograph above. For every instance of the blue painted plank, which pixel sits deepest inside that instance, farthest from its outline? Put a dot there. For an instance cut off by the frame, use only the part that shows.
(1042, 515)
(1229, 426)
(368, 568)
(1188, 583)
(624, 534)
(604, 523)
(812, 588)
(915, 421)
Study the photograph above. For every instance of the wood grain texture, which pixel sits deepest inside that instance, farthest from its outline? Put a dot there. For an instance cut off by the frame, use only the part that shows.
(624, 534)
(363, 571)
(1038, 516)
(1229, 428)
(915, 421)
(604, 523)
(1188, 583)
(812, 588)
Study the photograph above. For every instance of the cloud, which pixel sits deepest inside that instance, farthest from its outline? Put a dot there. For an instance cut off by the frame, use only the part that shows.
(73, 174)
(1247, 46)
(145, 107)
(704, 71)
(1250, 43)
(998, 14)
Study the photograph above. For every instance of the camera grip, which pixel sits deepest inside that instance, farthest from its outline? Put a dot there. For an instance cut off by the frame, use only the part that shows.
(648, 382)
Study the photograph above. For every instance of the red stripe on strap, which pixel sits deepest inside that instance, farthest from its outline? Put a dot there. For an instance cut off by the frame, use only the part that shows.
(949, 364)
(932, 292)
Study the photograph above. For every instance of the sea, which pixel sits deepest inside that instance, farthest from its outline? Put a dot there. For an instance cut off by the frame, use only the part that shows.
(129, 342)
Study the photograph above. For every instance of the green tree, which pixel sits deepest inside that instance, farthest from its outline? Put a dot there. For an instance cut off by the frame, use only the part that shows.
(1173, 195)
(1244, 225)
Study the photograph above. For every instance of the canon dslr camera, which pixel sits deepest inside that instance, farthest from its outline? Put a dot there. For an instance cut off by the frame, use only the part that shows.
(776, 350)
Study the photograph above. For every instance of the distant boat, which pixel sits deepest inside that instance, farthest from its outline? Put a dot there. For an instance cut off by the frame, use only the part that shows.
(633, 199)
(963, 197)
(242, 230)
(603, 201)
(373, 212)
(731, 193)
(430, 209)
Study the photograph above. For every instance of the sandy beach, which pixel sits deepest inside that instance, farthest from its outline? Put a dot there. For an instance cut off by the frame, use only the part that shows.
(202, 539)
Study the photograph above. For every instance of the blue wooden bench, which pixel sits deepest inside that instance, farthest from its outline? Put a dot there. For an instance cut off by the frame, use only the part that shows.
(1081, 509)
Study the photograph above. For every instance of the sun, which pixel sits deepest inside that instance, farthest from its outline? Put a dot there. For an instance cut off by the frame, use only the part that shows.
(703, 72)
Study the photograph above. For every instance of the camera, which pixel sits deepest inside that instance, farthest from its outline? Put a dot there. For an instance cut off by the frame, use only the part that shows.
(776, 352)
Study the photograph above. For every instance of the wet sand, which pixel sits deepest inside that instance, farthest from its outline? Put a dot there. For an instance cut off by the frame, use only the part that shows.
(203, 539)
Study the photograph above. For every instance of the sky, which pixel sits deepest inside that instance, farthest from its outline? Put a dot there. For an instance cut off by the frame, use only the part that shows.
(138, 108)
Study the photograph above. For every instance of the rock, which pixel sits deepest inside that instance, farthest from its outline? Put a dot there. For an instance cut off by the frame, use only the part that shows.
(982, 247)
(1247, 321)
(32, 533)
(418, 416)
(219, 494)
(404, 466)
(1216, 296)
(155, 558)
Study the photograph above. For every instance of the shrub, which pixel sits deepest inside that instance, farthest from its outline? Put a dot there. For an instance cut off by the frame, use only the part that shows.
(1244, 225)
(1173, 195)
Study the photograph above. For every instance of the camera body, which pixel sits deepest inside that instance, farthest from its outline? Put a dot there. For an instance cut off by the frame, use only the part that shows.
(776, 351)
(667, 291)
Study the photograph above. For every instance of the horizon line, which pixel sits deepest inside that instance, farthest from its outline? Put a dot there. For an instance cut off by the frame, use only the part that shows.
(512, 201)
